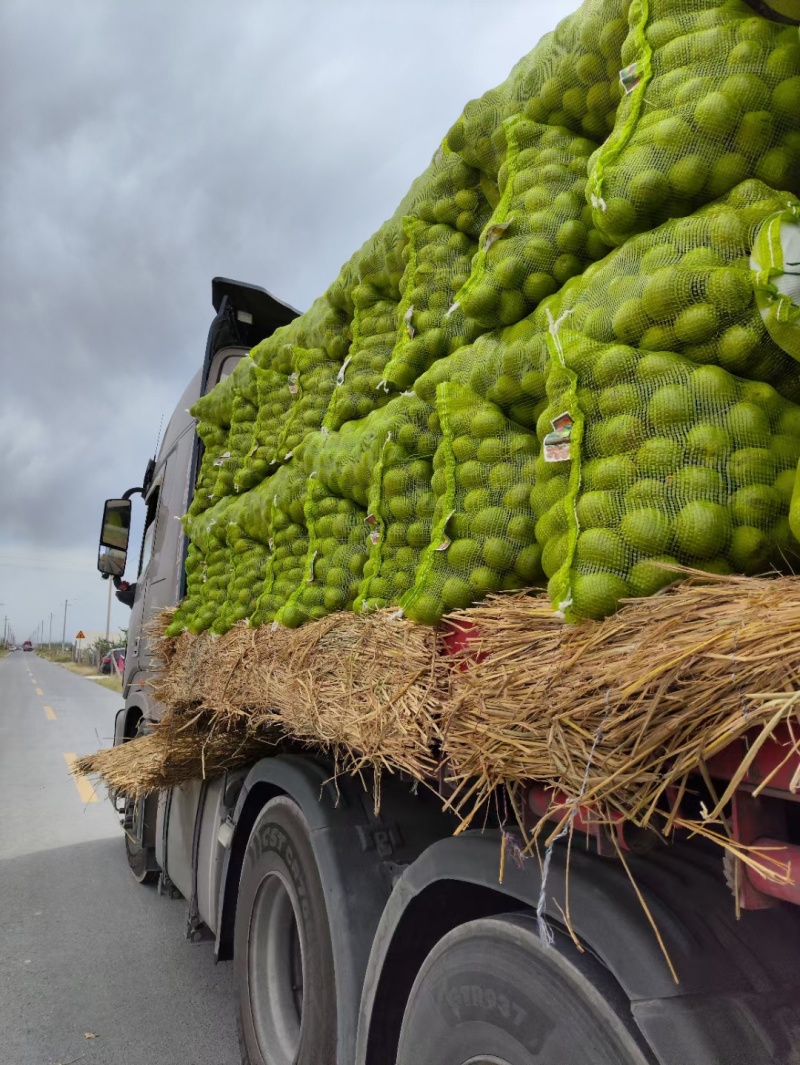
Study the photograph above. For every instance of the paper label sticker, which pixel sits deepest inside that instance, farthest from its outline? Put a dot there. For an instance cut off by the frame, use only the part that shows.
(557, 444)
(341, 373)
(631, 77)
(409, 324)
(311, 574)
(294, 388)
(494, 233)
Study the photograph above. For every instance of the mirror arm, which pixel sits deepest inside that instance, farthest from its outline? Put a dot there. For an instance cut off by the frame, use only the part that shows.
(132, 492)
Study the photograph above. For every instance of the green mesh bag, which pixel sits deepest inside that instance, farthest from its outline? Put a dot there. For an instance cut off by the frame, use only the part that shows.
(287, 541)
(649, 459)
(194, 567)
(277, 394)
(338, 538)
(401, 504)
(358, 384)
(244, 409)
(713, 98)
(216, 406)
(794, 506)
(541, 233)
(570, 79)
(207, 581)
(452, 193)
(248, 533)
(312, 381)
(687, 287)
(506, 366)
(431, 326)
(215, 440)
(483, 537)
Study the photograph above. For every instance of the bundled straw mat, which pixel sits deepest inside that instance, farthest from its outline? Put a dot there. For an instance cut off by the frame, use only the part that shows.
(620, 715)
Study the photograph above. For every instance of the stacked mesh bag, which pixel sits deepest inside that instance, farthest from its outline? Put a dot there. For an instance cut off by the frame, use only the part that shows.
(571, 355)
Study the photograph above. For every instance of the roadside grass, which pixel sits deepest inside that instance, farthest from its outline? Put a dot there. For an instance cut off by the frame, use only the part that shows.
(113, 683)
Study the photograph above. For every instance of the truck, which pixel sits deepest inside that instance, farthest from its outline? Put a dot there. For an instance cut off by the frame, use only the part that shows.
(371, 938)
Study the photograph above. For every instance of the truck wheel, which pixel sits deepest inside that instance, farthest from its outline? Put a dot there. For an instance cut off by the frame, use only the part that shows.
(283, 961)
(489, 993)
(140, 857)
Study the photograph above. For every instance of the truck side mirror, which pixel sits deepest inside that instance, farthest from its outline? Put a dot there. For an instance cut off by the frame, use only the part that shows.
(114, 534)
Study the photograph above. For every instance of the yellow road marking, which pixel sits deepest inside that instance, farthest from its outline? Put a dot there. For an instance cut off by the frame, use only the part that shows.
(39, 691)
(32, 681)
(50, 713)
(85, 789)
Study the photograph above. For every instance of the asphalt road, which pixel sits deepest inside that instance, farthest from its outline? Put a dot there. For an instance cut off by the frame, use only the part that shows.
(83, 948)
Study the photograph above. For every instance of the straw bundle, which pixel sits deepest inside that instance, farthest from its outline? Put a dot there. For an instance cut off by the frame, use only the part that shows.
(364, 687)
(616, 713)
(177, 750)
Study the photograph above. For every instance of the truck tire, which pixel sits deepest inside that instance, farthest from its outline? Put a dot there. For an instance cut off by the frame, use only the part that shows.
(490, 993)
(283, 960)
(140, 857)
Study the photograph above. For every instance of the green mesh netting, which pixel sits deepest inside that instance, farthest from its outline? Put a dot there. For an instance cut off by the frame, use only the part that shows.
(483, 536)
(401, 503)
(215, 442)
(571, 79)
(687, 286)
(358, 385)
(649, 458)
(313, 380)
(216, 407)
(541, 233)
(713, 98)
(430, 324)
(277, 392)
(244, 409)
(248, 535)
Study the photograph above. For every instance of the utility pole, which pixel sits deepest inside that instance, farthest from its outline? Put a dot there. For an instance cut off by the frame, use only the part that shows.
(50, 637)
(64, 630)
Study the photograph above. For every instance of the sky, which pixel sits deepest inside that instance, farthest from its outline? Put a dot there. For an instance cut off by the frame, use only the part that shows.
(146, 148)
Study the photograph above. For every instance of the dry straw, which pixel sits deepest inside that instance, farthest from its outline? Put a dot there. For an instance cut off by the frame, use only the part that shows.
(178, 749)
(620, 713)
(615, 714)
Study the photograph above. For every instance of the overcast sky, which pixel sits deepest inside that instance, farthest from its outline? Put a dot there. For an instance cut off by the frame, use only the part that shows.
(147, 147)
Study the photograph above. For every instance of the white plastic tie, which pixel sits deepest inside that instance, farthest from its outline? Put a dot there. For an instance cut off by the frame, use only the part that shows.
(451, 309)
(341, 373)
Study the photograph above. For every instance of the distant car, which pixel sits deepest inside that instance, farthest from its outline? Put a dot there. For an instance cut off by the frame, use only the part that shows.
(118, 654)
(27, 646)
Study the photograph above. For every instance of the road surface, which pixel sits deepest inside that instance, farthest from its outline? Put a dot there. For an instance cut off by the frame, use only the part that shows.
(94, 968)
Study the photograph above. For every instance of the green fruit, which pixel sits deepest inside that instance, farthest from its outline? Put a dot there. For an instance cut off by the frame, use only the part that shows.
(554, 554)
(609, 473)
(484, 580)
(487, 423)
(499, 553)
(629, 321)
(784, 485)
(777, 168)
(747, 425)
(755, 134)
(647, 530)
(596, 595)
(617, 399)
(756, 504)
(456, 593)
(597, 509)
(462, 555)
(750, 550)
(521, 528)
(697, 482)
(528, 563)
(688, 176)
(426, 609)
(648, 576)
(702, 529)
(489, 521)
(659, 455)
(670, 406)
(619, 216)
(648, 189)
(696, 324)
(786, 100)
(622, 433)
(601, 548)
(645, 493)
(538, 286)
(717, 115)
(751, 465)
(615, 366)
(713, 387)
(418, 534)
(476, 500)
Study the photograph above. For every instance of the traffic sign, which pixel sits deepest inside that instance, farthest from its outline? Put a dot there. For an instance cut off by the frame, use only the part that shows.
(80, 635)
